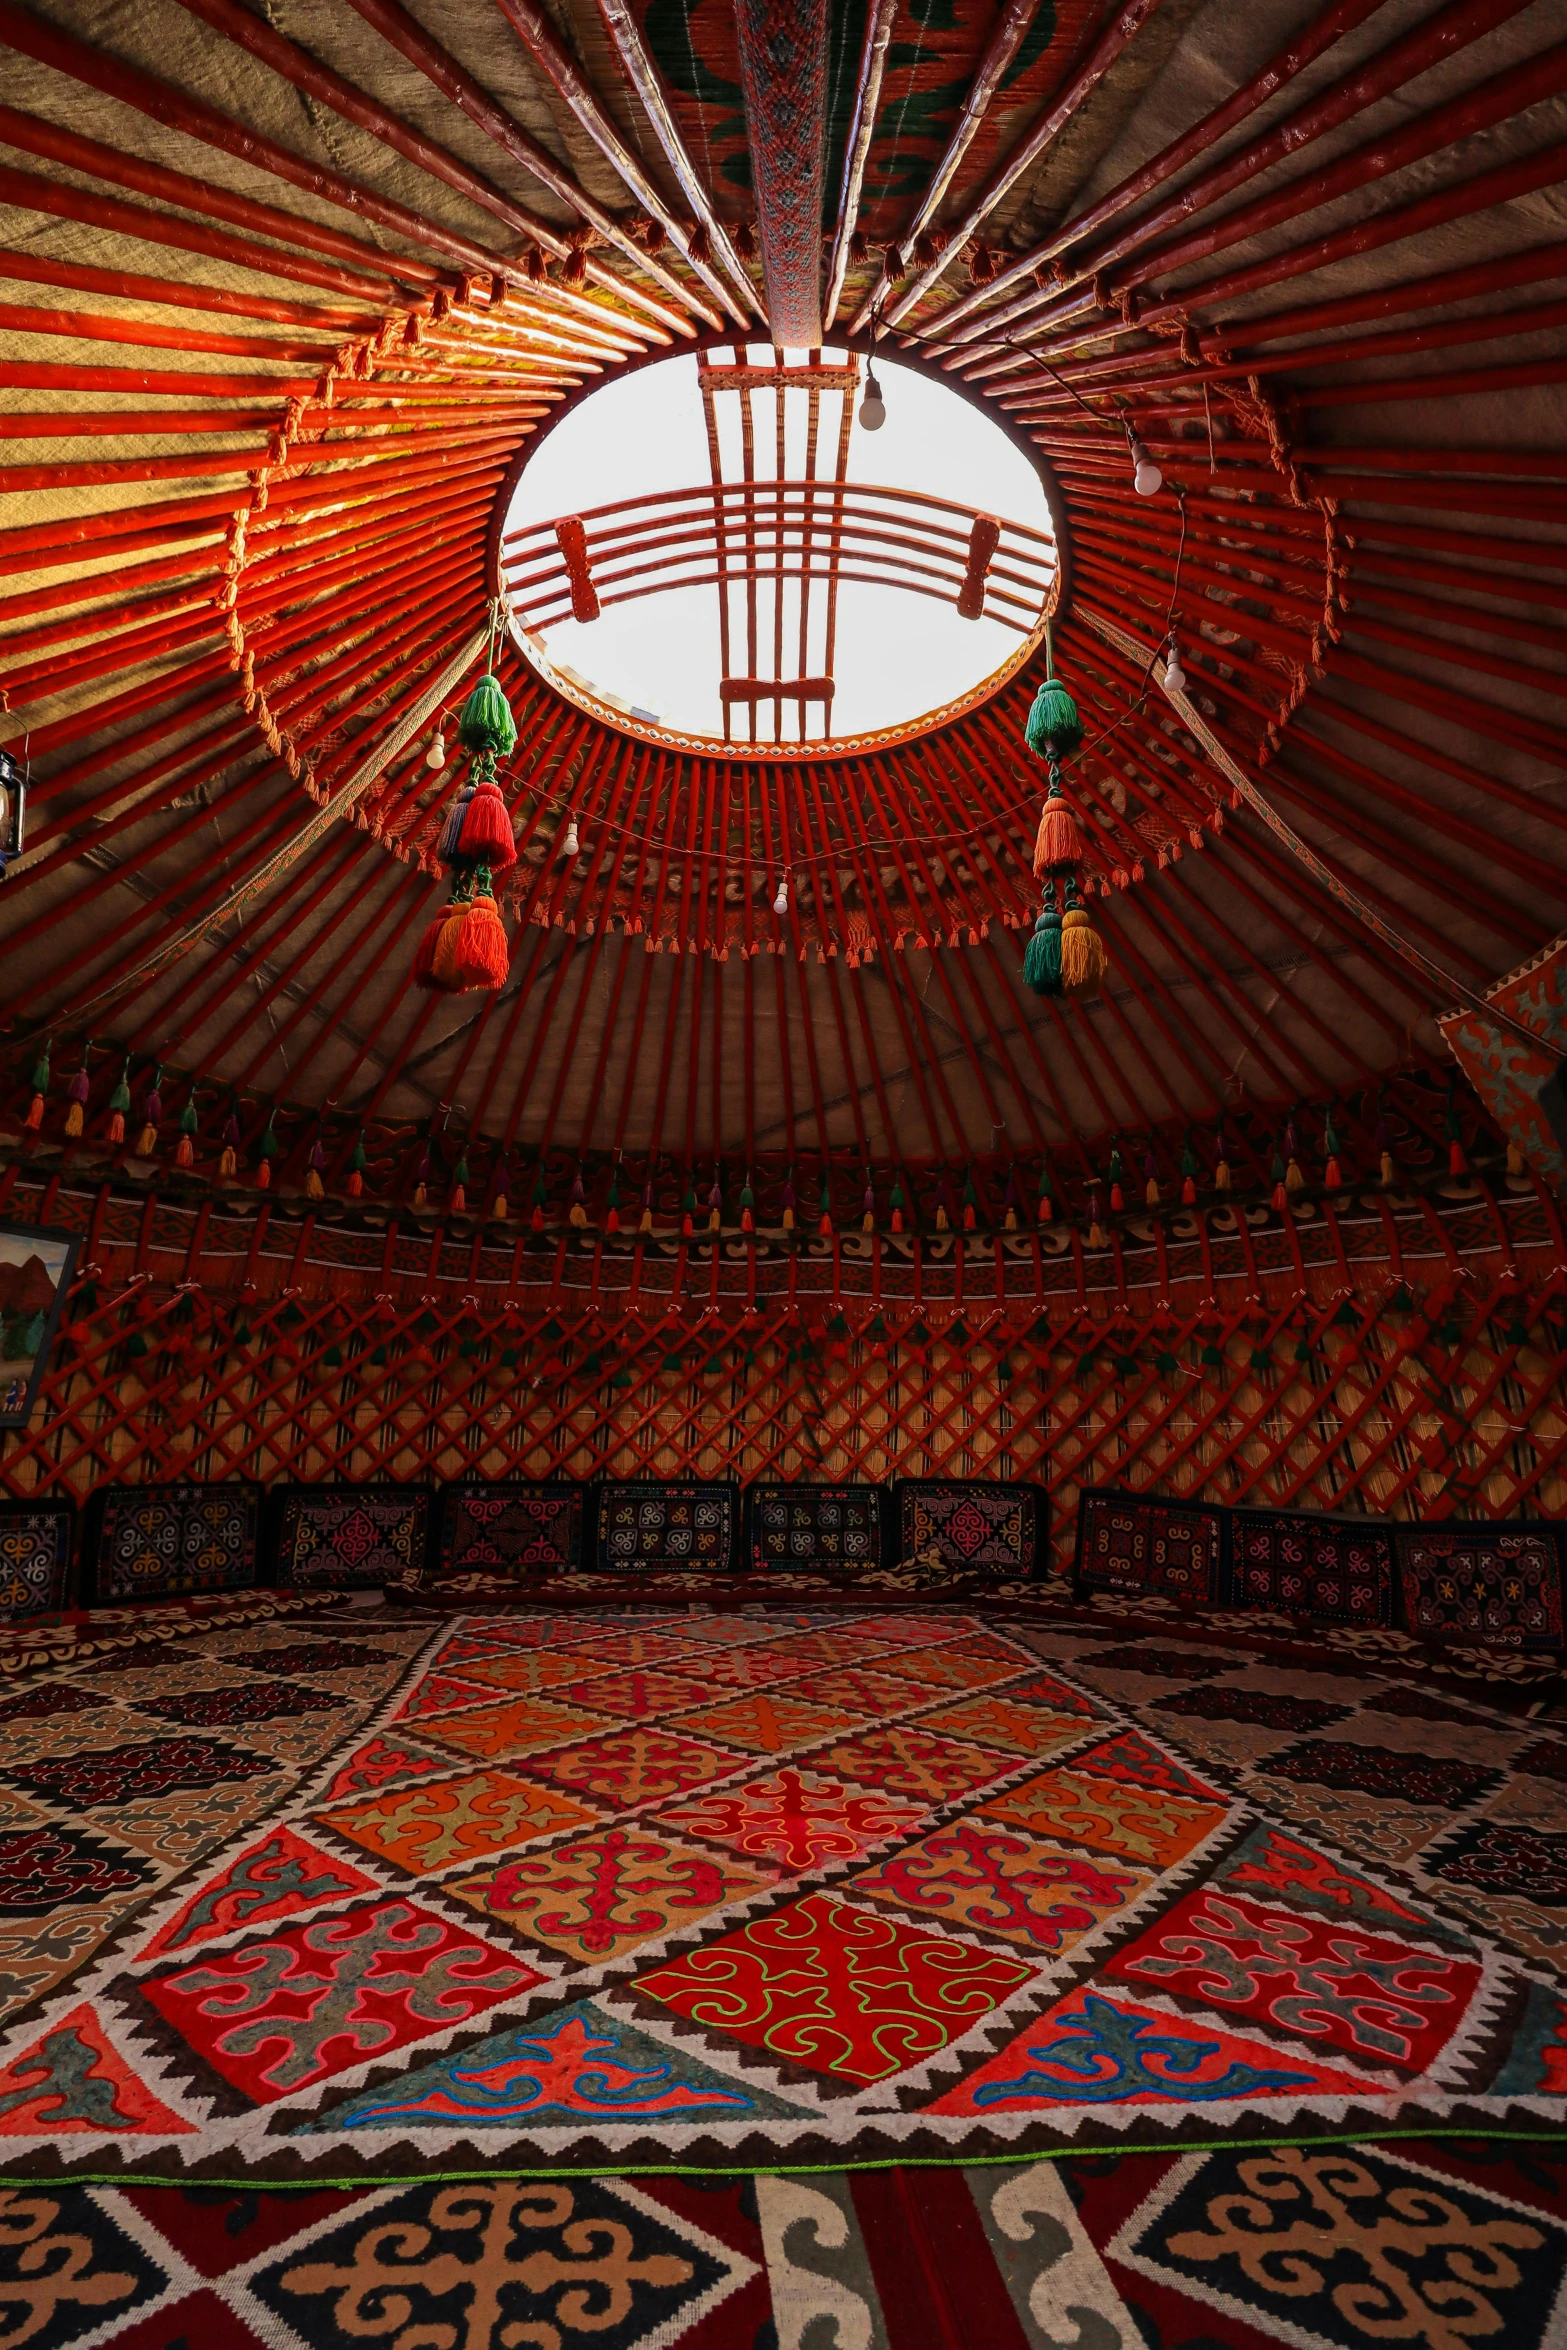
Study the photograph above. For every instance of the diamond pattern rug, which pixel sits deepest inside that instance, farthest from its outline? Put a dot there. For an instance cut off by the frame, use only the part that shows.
(374, 1896)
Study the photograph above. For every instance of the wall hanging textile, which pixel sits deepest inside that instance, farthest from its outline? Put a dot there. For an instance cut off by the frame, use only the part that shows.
(645, 1527)
(814, 1529)
(371, 1896)
(1338, 1570)
(1135, 1542)
(159, 1541)
(343, 1537)
(1500, 1586)
(37, 1543)
(898, 2260)
(511, 1528)
(979, 1526)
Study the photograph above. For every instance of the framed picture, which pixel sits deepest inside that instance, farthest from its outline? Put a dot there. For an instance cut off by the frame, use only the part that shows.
(35, 1274)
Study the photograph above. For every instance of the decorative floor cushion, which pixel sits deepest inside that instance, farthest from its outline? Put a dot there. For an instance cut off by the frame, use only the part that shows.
(350, 1537)
(980, 1526)
(1138, 1542)
(512, 1527)
(1490, 1586)
(646, 1528)
(165, 1541)
(37, 1538)
(1297, 1563)
(814, 1529)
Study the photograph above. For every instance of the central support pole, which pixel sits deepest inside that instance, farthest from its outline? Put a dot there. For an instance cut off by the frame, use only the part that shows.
(783, 70)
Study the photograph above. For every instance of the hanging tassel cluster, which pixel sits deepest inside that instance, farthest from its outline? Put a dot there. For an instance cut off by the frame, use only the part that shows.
(787, 1217)
(1332, 1176)
(1188, 1174)
(119, 1103)
(1065, 954)
(356, 1168)
(151, 1119)
(35, 1108)
(185, 1148)
(464, 949)
(228, 1156)
(76, 1094)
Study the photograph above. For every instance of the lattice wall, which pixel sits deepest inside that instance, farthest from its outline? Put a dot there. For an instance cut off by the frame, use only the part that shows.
(1400, 1353)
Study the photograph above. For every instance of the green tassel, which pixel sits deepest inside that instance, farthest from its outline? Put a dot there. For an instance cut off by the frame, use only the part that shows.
(486, 723)
(268, 1146)
(1053, 722)
(358, 1162)
(41, 1072)
(1042, 961)
(120, 1099)
(188, 1117)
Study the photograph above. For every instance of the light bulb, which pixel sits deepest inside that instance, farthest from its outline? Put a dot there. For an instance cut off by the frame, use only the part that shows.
(435, 756)
(781, 901)
(569, 846)
(873, 408)
(1146, 477)
(1174, 674)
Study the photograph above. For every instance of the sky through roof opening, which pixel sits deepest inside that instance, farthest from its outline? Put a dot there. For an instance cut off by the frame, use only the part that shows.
(879, 619)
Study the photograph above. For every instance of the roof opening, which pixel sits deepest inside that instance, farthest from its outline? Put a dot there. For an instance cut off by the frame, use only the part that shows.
(721, 548)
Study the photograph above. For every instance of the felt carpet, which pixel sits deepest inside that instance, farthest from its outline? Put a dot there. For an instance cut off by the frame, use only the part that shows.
(1431, 2245)
(368, 1895)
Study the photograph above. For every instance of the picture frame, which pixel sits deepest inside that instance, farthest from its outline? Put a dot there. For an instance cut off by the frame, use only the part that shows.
(37, 1267)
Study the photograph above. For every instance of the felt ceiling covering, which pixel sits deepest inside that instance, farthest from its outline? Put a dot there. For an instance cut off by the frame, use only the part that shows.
(287, 294)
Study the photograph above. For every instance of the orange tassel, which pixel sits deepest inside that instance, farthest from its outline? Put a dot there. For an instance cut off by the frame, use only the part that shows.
(1058, 841)
(116, 1127)
(264, 1176)
(355, 1184)
(184, 1156)
(473, 953)
(424, 955)
(35, 1113)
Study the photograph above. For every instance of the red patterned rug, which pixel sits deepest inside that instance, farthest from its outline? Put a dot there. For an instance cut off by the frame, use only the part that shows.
(1428, 2245)
(365, 1897)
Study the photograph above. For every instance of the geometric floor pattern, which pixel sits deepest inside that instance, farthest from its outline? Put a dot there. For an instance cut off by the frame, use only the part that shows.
(376, 1899)
(1432, 2245)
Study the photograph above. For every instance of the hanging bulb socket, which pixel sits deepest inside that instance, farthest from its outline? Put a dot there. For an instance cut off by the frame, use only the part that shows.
(435, 756)
(873, 408)
(1147, 480)
(1174, 674)
(781, 901)
(570, 845)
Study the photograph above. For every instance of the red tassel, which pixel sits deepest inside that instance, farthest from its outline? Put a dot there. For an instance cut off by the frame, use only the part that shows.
(536, 1220)
(115, 1130)
(264, 1176)
(1331, 1176)
(1047, 1213)
(1117, 1202)
(1058, 842)
(969, 1219)
(687, 1228)
(184, 1156)
(897, 1219)
(424, 955)
(35, 1113)
(824, 1228)
(1189, 1192)
(355, 1184)
(1457, 1164)
(1280, 1200)
(747, 1220)
(487, 834)
(612, 1220)
(473, 952)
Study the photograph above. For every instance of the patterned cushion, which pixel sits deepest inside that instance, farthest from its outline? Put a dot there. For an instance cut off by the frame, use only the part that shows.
(1140, 1542)
(163, 1541)
(37, 1537)
(515, 1528)
(350, 1537)
(980, 1526)
(814, 1529)
(650, 1528)
(1492, 1586)
(1339, 1570)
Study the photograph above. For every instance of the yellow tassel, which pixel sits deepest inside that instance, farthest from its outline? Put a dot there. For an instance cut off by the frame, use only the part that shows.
(1084, 962)
(500, 1209)
(1514, 1158)
(788, 1219)
(578, 1217)
(867, 1222)
(715, 1222)
(421, 1196)
(227, 1162)
(147, 1142)
(1096, 1238)
(1294, 1180)
(1387, 1168)
(1221, 1176)
(1151, 1195)
(646, 1224)
(941, 1219)
(73, 1120)
(314, 1187)
(1011, 1219)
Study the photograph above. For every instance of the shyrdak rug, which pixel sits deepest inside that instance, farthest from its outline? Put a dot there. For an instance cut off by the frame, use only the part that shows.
(350, 1537)
(510, 1528)
(976, 1525)
(371, 1897)
(830, 1530)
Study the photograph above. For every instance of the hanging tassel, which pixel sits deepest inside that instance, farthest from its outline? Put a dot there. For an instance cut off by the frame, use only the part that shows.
(1096, 1237)
(824, 1219)
(267, 1150)
(868, 1208)
(356, 1168)
(1294, 1180)
(1084, 962)
(747, 1205)
(1053, 727)
(457, 1197)
(119, 1103)
(612, 1205)
(77, 1092)
(1117, 1197)
(787, 1217)
(485, 722)
(429, 947)
(536, 1218)
(473, 953)
(1280, 1200)
(486, 835)
(715, 1208)
(1514, 1159)
(1058, 841)
(1045, 1213)
(1188, 1175)
(1011, 1200)
(577, 1216)
(688, 1214)
(185, 1148)
(895, 1204)
(1042, 961)
(646, 1224)
(228, 1157)
(1330, 1173)
(970, 1204)
(1221, 1172)
(446, 847)
(943, 1198)
(35, 1108)
(152, 1119)
(1150, 1181)
(315, 1170)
